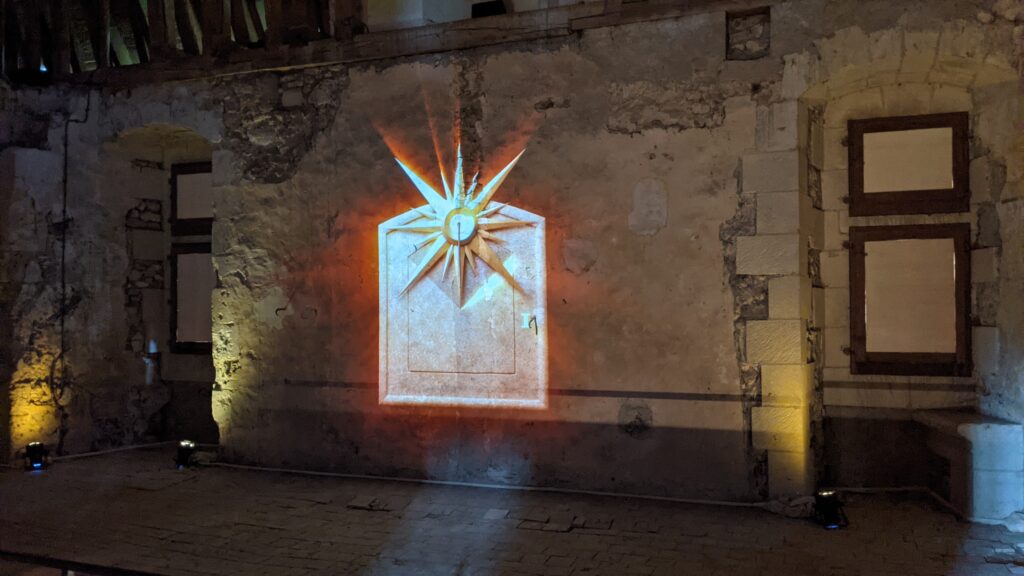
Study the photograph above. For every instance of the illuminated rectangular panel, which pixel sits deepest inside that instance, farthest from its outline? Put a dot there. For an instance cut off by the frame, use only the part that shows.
(491, 350)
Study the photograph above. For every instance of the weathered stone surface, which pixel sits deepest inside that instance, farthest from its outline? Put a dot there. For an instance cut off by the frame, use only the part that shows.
(786, 384)
(771, 172)
(789, 297)
(772, 254)
(781, 428)
(650, 207)
(778, 213)
(578, 255)
(776, 342)
(749, 35)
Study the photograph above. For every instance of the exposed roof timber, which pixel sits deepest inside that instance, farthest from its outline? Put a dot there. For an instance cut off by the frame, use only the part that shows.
(216, 30)
(61, 29)
(99, 29)
(140, 30)
(340, 19)
(188, 27)
(157, 28)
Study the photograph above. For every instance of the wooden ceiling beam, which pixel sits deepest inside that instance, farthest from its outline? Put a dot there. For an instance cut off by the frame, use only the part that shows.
(347, 17)
(30, 20)
(3, 37)
(184, 19)
(276, 25)
(140, 30)
(213, 19)
(240, 23)
(59, 15)
(101, 33)
(156, 28)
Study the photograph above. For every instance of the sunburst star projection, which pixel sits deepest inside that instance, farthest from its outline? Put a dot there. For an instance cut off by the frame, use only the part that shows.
(459, 225)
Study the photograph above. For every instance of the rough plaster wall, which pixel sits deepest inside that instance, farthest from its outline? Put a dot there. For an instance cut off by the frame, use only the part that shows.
(611, 132)
(305, 270)
(85, 389)
(633, 159)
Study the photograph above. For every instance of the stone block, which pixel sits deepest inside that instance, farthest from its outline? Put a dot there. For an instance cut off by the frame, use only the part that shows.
(835, 149)
(786, 384)
(837, 307)
(783, 428)
(818, 307)
(906, 99)
(835, 187)
(995, 494)
(778, 126)
(987, 180)
(650, 207)
(860, 104)
(789, 297)
(919, 51)
(835, 268)
(834, 235)
(985, 265)
(776, 342)
(836, 340)
(789, 473)
(778, 213)
(797, 73)
(768, 254)
(995, 446)
(985, 345)
(292, 98)
(771, 172)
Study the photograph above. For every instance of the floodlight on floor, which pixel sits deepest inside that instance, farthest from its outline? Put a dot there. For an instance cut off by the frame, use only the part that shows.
(35, 456)
(828, 509)
(186, 451)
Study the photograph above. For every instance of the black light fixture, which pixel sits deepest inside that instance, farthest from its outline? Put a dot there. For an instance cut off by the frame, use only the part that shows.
(828, 510)
(186, 449)
(35, 456)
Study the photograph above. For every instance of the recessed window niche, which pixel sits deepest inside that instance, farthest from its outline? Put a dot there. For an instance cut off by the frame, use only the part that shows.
(909, 165)
(909, 294)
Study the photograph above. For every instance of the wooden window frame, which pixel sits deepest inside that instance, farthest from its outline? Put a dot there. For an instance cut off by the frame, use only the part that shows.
(911, 363)
(188, 226)
(179, 347)
(943, 201)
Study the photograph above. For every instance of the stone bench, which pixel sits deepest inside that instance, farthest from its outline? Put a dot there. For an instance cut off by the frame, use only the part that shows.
(978, 462)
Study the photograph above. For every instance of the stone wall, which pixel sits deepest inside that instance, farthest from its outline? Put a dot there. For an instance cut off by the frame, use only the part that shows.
(694, 220)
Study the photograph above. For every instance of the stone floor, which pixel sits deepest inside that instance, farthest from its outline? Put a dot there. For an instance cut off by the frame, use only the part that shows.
(131, 512)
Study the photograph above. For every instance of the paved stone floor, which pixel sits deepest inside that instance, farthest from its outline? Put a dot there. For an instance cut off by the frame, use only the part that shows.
(132, 511)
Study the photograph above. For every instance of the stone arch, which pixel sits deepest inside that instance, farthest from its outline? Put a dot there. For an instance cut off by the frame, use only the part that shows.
(965, 66)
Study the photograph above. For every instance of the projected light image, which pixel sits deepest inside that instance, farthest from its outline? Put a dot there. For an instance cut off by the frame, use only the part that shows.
(460, 225)
(462, 297)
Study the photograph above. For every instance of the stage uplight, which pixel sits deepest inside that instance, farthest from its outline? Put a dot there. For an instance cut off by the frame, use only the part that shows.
(186, 451)
(35, 456)
(828, 509)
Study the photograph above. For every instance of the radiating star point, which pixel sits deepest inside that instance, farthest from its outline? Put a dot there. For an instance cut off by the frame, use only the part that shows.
(459, 225)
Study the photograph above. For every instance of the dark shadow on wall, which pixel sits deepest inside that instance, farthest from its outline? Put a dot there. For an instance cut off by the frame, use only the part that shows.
(187, 413)
(602, 457)
(875, 453)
